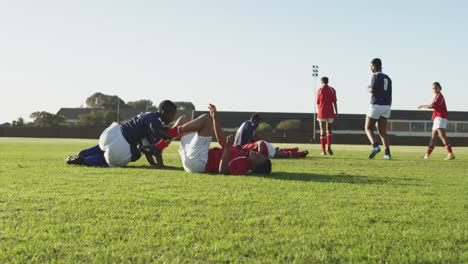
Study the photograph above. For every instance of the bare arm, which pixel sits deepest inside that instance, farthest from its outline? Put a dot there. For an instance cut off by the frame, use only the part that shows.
(370, 89)
(224, 163)
(336, 109)
(430, 106)
(217, 128)
(260, 147)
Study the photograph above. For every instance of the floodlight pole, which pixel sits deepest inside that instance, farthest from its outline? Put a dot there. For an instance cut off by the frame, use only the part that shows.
(315, 72)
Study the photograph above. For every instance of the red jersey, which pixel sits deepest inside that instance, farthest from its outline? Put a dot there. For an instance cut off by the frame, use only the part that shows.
(326, 96)
(254, 147)
(440, 108)
(238, 161)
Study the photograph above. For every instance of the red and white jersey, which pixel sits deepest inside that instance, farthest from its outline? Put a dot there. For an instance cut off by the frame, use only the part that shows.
(238, 161)
(326, 96)
(440, 108)
(267, 149)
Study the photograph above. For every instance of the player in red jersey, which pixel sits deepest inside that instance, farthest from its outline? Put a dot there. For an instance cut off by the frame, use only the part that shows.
(440, 119)
(267, 150)
(197, 156)
(327, 111)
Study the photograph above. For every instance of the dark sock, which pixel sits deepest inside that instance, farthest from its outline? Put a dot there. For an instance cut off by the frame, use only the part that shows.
(375, 145)
(387, 151)
(91, 151)
(95, 160)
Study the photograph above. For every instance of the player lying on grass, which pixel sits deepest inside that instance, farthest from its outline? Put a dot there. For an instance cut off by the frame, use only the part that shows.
(440, 119)
(119, 144)
(267, 149)
(197, 156)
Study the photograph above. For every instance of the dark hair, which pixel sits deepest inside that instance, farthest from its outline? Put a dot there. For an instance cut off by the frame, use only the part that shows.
(264, 168)
(438, 85)
(167, 106)
(377, 63)
(324, 80)
(255, 117)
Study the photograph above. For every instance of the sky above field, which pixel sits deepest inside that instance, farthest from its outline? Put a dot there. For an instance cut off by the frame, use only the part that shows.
(240, 55)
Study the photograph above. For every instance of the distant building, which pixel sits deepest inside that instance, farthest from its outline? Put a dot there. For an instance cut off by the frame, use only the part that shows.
(5, 125)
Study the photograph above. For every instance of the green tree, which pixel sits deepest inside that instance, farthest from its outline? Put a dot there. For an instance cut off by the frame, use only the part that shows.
(104, 101)
(264, 127)
(96, 119)
(46, 119)
(289, 124)
(143, 105)
(18, 122)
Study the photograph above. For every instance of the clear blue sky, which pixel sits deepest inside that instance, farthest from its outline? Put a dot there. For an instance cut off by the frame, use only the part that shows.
(240, 55)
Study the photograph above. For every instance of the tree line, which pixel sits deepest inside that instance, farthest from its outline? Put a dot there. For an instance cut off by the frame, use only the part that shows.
(104, 112)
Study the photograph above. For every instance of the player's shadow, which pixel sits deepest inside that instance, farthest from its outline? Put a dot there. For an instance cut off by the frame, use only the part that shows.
(149, 167)
(340, 178)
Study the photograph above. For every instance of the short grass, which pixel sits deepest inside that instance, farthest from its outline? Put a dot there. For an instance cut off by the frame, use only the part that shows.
(344, 208)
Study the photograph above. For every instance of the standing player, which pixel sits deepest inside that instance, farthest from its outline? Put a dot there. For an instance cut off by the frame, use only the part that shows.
(327, 110)
(118, 144)
(380, 108)
(439, 117)
(246, 132)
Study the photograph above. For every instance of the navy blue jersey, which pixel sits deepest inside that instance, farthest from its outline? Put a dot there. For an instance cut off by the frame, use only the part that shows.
(139, 127)
(245, 134)
(381, 89)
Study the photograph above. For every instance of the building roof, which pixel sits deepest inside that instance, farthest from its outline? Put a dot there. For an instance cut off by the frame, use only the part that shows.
(5, 125)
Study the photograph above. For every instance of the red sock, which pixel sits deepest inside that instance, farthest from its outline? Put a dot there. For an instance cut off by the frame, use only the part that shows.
(174, 132)
(322, 142)
(289, 149)
(449, 148)
(329, 137)
(162, 144)
(297, 154)
(429, 150)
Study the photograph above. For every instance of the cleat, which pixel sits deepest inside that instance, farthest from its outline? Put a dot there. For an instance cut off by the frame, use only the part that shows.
(450, 156)
(330, 151)
(306, 152)
(426, 156)
(76, 160)
(387, 157)
(374, 152)
(323, 154)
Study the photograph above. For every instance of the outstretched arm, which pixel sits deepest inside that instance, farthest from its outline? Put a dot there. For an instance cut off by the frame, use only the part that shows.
(224, 163)
(429, 106)
(217, 128)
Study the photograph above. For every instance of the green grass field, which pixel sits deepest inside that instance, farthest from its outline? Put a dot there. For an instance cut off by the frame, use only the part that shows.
(344, 208)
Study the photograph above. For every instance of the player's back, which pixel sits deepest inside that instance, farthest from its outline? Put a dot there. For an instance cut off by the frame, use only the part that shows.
(382, 89)
(140, 126)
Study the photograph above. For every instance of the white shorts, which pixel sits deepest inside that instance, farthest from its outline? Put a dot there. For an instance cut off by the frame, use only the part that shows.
(194, 152)
(439, 122)
(328, 120)
(271, 149)
(116, 149)
(378, 111)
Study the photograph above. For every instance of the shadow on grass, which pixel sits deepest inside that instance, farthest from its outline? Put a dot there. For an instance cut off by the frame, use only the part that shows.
(171, 168)
(340, 178)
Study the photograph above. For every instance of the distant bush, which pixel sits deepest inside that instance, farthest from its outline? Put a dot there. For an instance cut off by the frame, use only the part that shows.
(264, 127)
(289, 124)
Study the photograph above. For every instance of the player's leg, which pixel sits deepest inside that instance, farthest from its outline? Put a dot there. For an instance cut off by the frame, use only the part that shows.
(280, 153)
(329, 137)
(431, 146)
(323, 137)
(382, 127)
(90, 151)
(369, 126)
(447, 145)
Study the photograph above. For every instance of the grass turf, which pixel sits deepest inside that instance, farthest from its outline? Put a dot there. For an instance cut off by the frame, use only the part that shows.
(343, 208)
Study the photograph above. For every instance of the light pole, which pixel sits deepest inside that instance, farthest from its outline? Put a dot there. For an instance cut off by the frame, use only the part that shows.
(315, 73)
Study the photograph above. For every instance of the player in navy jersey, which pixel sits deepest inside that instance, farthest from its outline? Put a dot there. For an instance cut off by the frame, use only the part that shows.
(120, 144)
(246, 132)
(380, 108)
